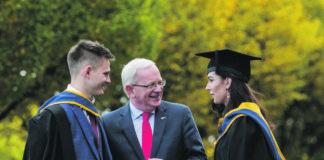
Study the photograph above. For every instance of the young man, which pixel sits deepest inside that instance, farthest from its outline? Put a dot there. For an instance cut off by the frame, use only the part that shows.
(89, 69)
(148, 127)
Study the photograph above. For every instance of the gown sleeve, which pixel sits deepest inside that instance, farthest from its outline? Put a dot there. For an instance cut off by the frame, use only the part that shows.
(244, 140)
(42, 141)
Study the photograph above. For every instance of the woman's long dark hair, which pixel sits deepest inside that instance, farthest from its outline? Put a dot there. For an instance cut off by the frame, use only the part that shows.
(239, 92)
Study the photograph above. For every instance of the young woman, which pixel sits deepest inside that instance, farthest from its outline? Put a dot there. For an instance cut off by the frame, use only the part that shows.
(244, 128)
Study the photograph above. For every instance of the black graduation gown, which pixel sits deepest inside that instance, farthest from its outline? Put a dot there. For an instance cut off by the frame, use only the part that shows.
(44, 141)
(244, 140)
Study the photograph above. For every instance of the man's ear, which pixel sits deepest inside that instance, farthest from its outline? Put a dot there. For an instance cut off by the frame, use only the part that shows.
(228, 82)
(129, 90)
(86, 71)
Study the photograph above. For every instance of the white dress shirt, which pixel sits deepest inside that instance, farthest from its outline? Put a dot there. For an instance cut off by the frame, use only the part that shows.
(138, 120)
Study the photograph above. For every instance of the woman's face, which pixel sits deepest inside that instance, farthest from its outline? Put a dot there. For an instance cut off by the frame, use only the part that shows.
(217, 87)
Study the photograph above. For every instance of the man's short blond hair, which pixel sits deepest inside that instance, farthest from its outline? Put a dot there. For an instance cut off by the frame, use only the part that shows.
(86, 53)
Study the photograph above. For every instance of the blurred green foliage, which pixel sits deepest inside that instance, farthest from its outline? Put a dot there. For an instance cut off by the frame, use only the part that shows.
(35, 37)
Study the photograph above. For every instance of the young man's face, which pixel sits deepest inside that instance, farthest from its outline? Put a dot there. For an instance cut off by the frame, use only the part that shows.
(99, 78)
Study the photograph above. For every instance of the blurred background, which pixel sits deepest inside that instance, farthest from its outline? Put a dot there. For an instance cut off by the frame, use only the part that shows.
(35, 36)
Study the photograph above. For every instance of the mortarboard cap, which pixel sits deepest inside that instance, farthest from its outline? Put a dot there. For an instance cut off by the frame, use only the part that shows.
(229, 61)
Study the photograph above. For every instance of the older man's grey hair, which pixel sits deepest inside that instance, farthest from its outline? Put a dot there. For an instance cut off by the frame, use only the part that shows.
(130, 69)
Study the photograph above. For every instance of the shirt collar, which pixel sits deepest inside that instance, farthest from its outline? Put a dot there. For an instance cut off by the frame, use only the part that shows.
(136, 113)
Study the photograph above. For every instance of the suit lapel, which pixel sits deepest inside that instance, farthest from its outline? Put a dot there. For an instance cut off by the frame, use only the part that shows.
(85, 127)
(161, 119)
(127, 126)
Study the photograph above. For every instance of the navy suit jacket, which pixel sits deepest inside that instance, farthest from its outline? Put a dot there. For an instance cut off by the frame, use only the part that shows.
(175, 135)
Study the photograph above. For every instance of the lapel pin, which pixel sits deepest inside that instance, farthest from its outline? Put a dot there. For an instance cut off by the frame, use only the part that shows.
(162, 117)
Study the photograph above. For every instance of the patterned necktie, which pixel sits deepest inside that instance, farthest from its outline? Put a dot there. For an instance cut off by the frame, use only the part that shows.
(94, 127)
(146, 136)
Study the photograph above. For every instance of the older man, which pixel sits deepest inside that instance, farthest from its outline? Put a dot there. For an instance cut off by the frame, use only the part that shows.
(148, 127)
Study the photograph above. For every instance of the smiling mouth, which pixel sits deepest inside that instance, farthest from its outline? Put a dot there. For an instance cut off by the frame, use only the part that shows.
(157, 96)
